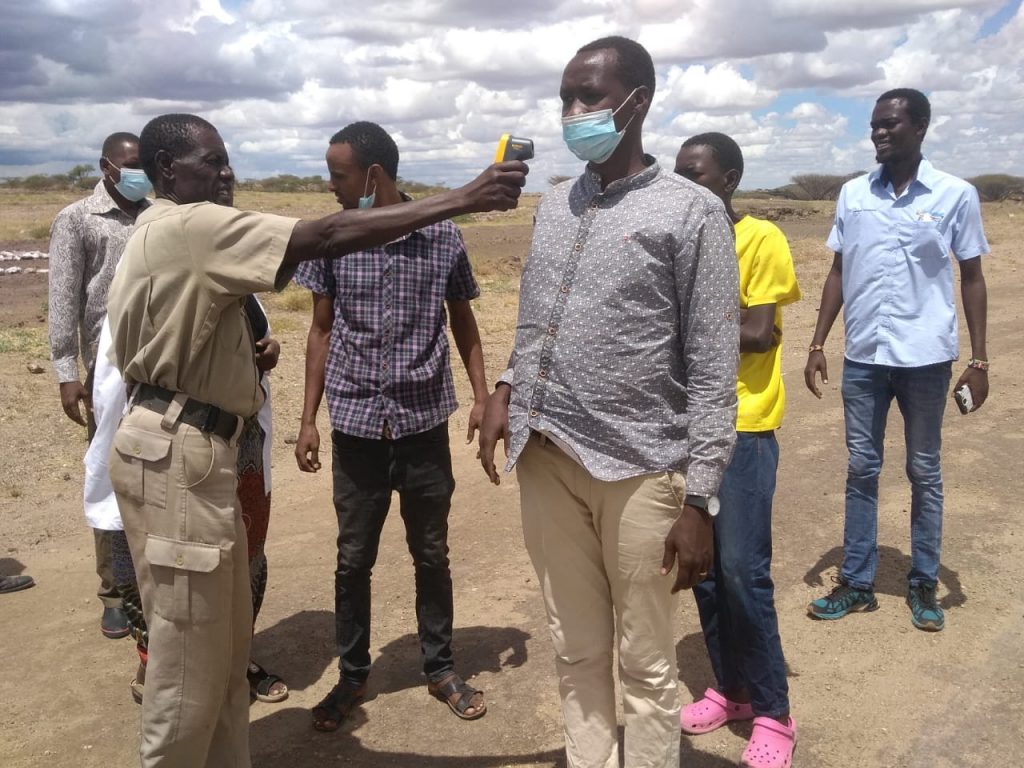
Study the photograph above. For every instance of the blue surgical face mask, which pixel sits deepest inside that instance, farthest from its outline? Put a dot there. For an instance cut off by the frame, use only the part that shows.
(592, 136)
(134, 184)
(367, 201)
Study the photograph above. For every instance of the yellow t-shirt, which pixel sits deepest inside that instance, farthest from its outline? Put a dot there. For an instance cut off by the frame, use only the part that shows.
(766, 277)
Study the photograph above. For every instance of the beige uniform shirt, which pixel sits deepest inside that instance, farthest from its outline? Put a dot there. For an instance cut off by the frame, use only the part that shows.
(175, 304)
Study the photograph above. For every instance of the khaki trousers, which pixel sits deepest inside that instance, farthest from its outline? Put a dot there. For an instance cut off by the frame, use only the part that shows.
(176, 488)
(597, 548)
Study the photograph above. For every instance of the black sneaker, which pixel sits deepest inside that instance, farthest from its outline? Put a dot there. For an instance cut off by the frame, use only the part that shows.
(842, 600)
(925, 612)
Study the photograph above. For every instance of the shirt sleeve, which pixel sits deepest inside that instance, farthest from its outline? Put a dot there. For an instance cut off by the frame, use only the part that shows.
(772, 277)
(711, 342)
(835, 237)
(236, 252)
(462, 286)
(968, 232)
(317, 276)
(67, 267)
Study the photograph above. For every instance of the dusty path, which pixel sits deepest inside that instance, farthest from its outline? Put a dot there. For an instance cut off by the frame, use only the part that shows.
(866, 691)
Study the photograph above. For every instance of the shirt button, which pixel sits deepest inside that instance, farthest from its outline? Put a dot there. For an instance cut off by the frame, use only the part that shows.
(551, 330)
(533, 413)
(565, 288)
(578, 247)
(136, 449)
(179, 560)
(543, 374)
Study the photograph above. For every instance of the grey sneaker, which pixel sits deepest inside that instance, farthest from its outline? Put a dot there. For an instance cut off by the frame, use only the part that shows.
(842, 600)
(925, 612)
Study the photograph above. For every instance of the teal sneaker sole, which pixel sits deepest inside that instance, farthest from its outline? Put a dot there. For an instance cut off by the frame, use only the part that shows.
(819, 613)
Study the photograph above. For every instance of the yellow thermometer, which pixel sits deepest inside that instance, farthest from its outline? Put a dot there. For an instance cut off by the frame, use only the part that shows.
(513, 148)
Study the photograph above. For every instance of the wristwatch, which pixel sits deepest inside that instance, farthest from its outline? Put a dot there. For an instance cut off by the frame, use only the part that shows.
(708, 503)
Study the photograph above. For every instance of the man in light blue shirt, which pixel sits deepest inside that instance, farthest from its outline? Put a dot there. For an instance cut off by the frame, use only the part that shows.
(893, 234)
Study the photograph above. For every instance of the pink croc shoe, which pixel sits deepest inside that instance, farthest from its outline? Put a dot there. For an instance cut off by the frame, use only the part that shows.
(711, 712)
(771, 744)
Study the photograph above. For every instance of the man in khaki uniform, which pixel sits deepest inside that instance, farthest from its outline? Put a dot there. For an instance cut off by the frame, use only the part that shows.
(184, 346)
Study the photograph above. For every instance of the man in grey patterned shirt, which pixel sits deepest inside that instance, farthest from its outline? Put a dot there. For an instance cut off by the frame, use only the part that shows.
(618, 408)
(86, 241)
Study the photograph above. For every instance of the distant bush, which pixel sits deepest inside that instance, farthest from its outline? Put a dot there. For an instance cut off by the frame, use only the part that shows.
(79, 177)
(818, 186)
(993, 187)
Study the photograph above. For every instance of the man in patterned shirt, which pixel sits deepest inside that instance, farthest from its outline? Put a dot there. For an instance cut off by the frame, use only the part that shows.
(378, 345)
(618, 408)
(86, 241)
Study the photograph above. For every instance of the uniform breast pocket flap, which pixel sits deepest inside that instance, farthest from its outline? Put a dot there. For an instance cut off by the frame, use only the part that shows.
(186, 583)
(141, 466)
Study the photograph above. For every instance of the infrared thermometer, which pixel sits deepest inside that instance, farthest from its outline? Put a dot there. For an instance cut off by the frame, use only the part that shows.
(513, 148)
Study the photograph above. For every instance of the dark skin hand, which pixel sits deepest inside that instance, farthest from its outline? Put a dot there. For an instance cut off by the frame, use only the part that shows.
(71, 394)
(690, 544)
(267, 353)
(494, 427)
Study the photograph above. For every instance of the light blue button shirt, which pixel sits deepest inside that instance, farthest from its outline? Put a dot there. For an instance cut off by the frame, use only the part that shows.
(898, 300)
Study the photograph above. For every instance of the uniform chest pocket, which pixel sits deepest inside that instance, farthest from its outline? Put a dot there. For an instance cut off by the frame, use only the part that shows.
(140, 465)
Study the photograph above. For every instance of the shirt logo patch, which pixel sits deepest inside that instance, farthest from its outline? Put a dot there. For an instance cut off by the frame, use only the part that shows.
(935, 216)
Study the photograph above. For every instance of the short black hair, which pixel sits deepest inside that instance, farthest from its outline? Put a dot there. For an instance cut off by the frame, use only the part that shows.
(113, 140)
(174, 133)
(371, 144)
(636, 68)
(919, 109)
(727, 152)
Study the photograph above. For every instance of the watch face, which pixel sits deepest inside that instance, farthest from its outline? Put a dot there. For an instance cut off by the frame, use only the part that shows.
(713, 506)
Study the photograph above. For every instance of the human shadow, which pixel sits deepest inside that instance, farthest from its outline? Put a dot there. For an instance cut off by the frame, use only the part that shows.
(285, 737)
(298, 648)
(891, 577)
(476, 649)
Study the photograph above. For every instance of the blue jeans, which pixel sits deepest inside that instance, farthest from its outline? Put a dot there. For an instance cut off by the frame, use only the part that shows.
(736, 601)
(868, 391)
(366, 471)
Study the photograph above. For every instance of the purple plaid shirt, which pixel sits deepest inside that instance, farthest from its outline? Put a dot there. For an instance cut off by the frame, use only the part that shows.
(388, 357)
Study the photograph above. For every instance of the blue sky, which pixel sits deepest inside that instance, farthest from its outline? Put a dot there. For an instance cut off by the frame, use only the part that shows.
(792, 80)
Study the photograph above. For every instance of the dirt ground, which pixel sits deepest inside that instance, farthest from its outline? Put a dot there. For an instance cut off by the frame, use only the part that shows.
(866, 691)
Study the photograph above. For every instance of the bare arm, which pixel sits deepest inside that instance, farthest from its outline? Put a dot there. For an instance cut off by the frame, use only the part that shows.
(757, 328)
(974, 295)
(831, 303)
(307, 447)
(496, 189)
(467, 339)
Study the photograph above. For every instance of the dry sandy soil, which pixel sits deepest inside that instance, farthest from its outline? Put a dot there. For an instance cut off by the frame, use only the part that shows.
(866, 691)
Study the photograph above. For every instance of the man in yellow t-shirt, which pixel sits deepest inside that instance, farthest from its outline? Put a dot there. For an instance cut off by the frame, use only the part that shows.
(736, 601)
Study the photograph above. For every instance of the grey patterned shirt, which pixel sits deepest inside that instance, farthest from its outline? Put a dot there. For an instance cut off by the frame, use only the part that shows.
(86, 241)
(628, 334)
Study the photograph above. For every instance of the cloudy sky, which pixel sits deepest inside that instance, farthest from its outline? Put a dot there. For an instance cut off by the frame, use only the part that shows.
(792, 80)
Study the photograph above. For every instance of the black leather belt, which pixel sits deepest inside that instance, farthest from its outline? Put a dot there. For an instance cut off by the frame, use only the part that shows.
(204, 417)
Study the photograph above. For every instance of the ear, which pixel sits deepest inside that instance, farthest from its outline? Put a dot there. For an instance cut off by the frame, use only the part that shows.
(164, 166)
(642, 100)
(732, 180)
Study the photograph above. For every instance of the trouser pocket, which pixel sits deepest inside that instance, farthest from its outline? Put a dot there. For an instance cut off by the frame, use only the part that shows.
(189, 583)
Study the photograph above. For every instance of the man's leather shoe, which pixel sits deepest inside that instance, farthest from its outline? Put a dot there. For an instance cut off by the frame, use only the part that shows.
(114, 623)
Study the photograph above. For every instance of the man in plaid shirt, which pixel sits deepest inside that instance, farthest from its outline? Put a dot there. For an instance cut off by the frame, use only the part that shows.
(378, 346)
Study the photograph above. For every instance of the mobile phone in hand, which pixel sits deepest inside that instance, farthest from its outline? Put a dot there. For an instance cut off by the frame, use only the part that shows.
(964, 399)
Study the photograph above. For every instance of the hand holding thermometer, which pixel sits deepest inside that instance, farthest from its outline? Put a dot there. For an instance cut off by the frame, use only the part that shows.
(513, 148)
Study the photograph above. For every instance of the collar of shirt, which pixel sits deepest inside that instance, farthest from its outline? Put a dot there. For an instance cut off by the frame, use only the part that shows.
(592, 180)
(926, 177)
